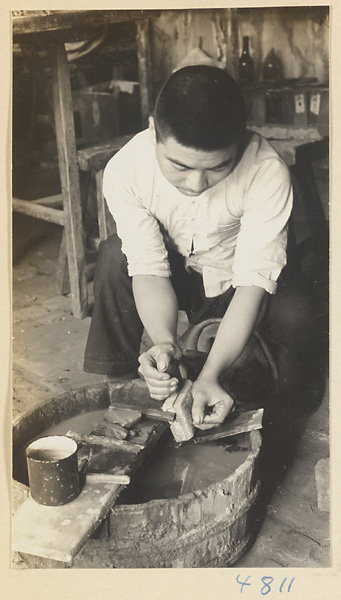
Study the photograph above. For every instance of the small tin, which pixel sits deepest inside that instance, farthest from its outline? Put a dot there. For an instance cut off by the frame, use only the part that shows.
(53, 470)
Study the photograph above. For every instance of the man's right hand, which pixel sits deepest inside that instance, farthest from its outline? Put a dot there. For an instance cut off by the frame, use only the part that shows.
(153, 366)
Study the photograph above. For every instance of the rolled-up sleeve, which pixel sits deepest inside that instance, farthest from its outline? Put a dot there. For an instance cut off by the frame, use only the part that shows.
(260, 253)
(142, 240)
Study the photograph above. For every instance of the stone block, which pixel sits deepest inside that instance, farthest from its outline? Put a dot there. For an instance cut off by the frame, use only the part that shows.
(322, 484)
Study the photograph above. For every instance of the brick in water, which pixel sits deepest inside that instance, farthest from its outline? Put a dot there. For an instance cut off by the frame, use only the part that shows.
(106, 429)
(126, 417)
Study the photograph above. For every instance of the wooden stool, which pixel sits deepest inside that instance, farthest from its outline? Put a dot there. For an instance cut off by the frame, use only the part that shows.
(90, 160)
(93, 160)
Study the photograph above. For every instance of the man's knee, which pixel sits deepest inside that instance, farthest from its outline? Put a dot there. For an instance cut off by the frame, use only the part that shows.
(111, 262)
(290, 315)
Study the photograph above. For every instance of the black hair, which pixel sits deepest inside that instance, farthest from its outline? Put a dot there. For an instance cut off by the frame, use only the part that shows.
(201, 107)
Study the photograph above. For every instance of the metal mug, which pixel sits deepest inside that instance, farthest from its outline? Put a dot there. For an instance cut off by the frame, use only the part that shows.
(53, 472)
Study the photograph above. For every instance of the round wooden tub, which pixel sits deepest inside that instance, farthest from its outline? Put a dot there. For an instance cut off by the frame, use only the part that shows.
(211, 527)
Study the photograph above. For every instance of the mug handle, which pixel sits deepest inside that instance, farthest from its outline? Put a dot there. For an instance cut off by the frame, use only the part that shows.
(85, 461)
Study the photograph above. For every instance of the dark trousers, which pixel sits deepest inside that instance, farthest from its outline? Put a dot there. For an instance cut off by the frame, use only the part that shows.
(280, 351)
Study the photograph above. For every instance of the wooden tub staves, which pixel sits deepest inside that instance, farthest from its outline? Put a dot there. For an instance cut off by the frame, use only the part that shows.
(211, 527)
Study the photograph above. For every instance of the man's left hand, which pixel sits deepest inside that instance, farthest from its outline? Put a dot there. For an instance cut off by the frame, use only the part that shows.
(211, 404)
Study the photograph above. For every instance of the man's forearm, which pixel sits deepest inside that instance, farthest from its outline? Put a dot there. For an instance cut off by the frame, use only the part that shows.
(157, 305)
(234, 331)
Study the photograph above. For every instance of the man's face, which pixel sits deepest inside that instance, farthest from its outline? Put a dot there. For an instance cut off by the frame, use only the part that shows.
(193, 171)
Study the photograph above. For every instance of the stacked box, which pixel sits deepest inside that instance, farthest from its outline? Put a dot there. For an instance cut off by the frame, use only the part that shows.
(294, 109)
(273, 110)
(104, 111)
(95, 115)
(318, 108)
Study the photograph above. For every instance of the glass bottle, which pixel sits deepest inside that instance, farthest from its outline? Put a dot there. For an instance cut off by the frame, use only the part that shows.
(246, 64)
(273, 67)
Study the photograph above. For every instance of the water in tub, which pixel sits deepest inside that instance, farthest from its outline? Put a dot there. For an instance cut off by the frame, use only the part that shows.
(171, 469)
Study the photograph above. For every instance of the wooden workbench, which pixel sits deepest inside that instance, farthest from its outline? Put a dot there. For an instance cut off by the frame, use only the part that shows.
(48, 30)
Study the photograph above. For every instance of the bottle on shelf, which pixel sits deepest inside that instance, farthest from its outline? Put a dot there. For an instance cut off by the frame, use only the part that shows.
(273, 67)
(246, 64)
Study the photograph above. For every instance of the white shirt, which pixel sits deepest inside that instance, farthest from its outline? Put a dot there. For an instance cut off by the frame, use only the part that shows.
(233, 233)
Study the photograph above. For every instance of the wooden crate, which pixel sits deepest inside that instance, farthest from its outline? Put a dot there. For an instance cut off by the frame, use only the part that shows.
(105, 111)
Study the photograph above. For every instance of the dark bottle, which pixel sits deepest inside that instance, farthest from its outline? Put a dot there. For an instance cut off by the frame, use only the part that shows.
(273, 67)
(246, 64)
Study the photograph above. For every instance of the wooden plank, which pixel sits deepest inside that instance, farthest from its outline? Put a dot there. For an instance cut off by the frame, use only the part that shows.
(287, 132)
(58, 532)
(145, 69)
(119, 478)
(291, 142)
(69, 176)
(45, 213)
(62, 276)
(233, 52)
(101, 207)
(100, 440)
(26, 21)
(97, 156)
(20, 494)
(288, 149)
(237, 423)
(51, 201)
(153, 435)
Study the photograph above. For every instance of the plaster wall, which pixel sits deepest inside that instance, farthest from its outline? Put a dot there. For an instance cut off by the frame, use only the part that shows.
(299, 35)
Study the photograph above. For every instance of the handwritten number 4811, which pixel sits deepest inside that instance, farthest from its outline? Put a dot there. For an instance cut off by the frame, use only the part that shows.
(267, 583)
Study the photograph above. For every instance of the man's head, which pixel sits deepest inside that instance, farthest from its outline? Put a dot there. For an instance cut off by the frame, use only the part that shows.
(200, 107)
(198, 123)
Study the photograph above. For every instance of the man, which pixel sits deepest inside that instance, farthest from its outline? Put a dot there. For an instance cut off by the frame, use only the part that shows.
(201, 205)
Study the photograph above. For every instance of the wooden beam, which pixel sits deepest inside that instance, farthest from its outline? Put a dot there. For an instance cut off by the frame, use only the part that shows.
(145, 69)
(232, 41)
(33, 21)
(115, 478)
(62, 277)
(52, 215)
(51, 201)
(69, 176)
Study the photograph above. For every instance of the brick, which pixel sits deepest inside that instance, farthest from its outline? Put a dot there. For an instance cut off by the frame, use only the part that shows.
(322, 484)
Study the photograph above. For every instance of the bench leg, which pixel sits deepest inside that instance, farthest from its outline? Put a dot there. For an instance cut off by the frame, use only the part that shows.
(62, 278)
(69, 176)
